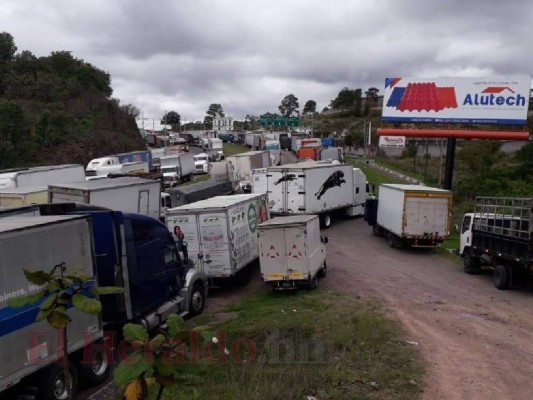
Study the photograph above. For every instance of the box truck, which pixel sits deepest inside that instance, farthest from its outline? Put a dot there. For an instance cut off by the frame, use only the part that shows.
(127, 250)
(136, 167)
(291, 251)
(177, 168)
(322, 188)
(243, 165)
(498, 235)
(41, 176)
(187, 194)
(127, 194)
(413, 215)
(221, 232)
(135, 156)
(23, 196)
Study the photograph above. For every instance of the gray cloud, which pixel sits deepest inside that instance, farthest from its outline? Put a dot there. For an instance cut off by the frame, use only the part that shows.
(248, 55)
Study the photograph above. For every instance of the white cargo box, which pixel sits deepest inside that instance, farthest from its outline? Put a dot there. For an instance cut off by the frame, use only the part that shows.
(42, 176)
(40, 243)
(291, 250)
(221, 232)
(259, 180)
(315, 187)
(414, 211)
(23, 196)
(126, 194)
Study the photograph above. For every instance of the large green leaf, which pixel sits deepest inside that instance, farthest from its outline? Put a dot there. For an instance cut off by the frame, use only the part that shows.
(86, 304)
(175, 324)
(107, 290)
(22, 301)
(49, 302)
(37, 277)
(156, 344)
(58, 318)
(43, 314)
(131, 368)
(134, 332)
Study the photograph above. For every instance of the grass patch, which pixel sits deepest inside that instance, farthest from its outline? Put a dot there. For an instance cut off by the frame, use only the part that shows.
(310, 343)
(373, 175)
(231, 149)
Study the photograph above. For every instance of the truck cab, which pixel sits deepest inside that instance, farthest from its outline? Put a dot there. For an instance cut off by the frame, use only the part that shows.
(100, 166)
(201, 163)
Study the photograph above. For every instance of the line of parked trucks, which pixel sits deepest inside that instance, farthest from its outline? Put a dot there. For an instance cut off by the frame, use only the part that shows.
(111, 227)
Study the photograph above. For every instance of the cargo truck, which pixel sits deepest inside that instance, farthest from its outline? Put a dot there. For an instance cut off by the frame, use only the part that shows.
(41, 176)
(413, 215)
(127, 194)
(322, 188)
(221, 233)
(498, 235)
(122, 158)
(243, 165)
(127, 250)
(23, 196)
(182, 195)
(177, 168)
(291, 252)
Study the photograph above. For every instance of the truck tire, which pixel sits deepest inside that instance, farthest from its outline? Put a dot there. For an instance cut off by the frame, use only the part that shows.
(471, 264)
(52, 384)
(391, 239)
(197, 301)
(314, 283)
(97, 371)
(322, 272)
(377, 230)
(501, 277)
(325, 220)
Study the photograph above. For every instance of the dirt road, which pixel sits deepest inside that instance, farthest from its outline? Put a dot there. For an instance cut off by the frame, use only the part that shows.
(477, 341)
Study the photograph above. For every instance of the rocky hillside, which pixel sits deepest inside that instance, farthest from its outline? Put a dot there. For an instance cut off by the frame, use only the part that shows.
(58, 109)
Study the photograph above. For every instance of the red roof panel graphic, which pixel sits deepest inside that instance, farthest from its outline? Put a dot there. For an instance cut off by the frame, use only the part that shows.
(427, 97)
(497, 89)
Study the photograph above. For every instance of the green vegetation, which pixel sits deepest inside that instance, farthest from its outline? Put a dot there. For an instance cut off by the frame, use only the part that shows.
(58, 109)
(231, 149)
(307, 343)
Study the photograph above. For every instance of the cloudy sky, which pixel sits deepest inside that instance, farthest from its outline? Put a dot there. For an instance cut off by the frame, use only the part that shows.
(247, 54)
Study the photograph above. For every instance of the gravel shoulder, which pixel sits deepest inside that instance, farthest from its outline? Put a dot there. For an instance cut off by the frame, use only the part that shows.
(476, 340)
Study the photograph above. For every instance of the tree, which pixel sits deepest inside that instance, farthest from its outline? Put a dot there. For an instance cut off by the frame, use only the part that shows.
(7, 52)
(131, 110)
(310, 107)
(348, 99)
(371, 99)
(289, 105)
(215, 110)
(173, 119)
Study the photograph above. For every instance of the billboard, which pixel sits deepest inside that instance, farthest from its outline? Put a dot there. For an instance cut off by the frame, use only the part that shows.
(496, 100)
(392, 141)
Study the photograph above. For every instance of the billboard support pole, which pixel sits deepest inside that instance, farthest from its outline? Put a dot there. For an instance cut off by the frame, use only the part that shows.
(450, 158)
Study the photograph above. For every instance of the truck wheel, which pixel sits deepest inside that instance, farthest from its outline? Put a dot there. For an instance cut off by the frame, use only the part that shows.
(501, 277)
(314, 283)
(197, 300)
(97, 371)
(325, 220)
(471, 264)
(377, 230)
(391, 240)
(53, 383)
(322, 272)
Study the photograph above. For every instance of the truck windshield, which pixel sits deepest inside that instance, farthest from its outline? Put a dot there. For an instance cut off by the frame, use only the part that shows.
(168, 170)
(203, 158)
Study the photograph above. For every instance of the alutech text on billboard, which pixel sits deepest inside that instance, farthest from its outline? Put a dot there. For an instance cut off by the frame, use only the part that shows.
(495, 100)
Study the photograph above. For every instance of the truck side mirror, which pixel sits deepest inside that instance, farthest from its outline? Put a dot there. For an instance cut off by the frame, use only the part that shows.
(325, 239)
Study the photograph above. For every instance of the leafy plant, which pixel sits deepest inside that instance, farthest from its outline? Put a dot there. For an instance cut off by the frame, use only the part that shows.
(60, 290)
(169, 358)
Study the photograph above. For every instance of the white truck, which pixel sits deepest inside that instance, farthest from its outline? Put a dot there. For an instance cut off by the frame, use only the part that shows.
(322, 188)
(177, 168)
(23, 196)
(135, 167)
(414, 215)
(221, 232)
(28, 347)
(201, 163)
(244, 163)
(127, 194)
(41, 176)
(291, 252)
